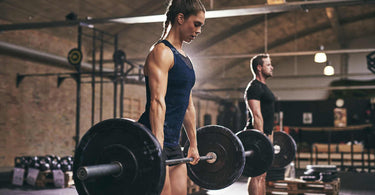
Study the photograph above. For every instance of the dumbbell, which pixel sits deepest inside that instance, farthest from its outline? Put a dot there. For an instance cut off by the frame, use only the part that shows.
(20, 162)
(55, 163)
(45, 163)
(66, 163)
(34, 162)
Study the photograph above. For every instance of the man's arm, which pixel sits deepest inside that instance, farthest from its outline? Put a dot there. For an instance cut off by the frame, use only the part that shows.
(254, 106)
(190, 128)
(158, 63)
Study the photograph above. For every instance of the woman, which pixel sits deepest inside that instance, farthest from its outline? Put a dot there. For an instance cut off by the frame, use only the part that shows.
(169, 79)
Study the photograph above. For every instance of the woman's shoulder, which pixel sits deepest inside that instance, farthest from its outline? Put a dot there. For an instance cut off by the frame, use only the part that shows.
(160, 54)
(160, 49)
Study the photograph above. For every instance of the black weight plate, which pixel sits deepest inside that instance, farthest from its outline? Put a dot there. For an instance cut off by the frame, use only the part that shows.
(127, 142)
(285, 149)
(261, 159)
(75, 56)
(119, 57)
(230, 158)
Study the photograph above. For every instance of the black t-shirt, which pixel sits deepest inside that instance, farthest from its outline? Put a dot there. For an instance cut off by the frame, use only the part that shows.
(259, 91)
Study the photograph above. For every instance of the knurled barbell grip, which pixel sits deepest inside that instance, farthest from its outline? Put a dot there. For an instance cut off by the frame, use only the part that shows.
(116, 168)
(87, 172)
(186, 160)
(209, 156)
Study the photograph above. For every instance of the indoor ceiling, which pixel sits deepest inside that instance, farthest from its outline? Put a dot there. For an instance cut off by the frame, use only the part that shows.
(219, 53)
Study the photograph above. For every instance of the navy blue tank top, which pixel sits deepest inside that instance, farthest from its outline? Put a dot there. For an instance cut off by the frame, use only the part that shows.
(181, 79)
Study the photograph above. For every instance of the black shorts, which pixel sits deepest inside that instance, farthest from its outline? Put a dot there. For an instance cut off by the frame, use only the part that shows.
(172, 153)
(267, 132)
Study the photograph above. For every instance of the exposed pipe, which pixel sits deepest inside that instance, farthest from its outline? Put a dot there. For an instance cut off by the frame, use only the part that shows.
(241, 11)
(301, 76)
(292, 88)
(277, 54)
(283, 54)
(41, 57)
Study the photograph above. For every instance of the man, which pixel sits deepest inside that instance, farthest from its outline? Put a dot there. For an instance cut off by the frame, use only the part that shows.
(260, 103)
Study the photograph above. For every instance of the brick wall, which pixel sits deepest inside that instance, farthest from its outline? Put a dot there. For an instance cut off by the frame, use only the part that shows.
(38, 118)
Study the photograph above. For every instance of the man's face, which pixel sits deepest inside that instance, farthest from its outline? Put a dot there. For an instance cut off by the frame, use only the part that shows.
(267, 68)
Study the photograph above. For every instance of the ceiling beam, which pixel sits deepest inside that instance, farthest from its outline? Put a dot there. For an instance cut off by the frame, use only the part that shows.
(283, 54)
(242, 89)
(278, 77)
(144, 8)
(335, 24)
(231, 31)
(334, 19)
(251, 10)
(25, 53)
(287, 39)
(242, 11)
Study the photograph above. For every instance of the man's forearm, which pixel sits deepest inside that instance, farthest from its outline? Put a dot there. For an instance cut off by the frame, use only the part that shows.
(258, 124)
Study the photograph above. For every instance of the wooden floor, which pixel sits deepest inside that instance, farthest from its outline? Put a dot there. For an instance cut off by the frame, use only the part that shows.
(363, 186)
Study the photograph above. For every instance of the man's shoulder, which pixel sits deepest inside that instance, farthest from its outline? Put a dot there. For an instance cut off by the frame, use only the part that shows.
(255, 84)
(254, 87)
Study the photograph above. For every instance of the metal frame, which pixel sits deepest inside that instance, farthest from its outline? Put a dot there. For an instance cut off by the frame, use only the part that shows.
(118, 76)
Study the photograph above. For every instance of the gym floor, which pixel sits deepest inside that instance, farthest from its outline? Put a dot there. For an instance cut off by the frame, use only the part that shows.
(351, 184)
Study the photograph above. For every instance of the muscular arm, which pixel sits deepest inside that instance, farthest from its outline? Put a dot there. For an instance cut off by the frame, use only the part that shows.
(254, 106)
(189, 124)
(158, 63)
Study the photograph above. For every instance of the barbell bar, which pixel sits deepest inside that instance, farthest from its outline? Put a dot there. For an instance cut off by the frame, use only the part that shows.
(116, 168)
(120, 156)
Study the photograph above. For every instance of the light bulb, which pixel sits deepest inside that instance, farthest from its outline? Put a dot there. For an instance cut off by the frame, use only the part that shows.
(329, 70)
(320, 57)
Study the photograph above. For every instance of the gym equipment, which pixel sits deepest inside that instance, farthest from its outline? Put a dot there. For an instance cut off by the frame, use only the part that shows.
(20, 162)
(55, 162)
(132, 150)
(264, 153)
(325, 173)
(285, 149)
(66, 163)
(119, 57)
(120, 156)
(371, 61)
(229, 161)
(75, 56)
(44, 163)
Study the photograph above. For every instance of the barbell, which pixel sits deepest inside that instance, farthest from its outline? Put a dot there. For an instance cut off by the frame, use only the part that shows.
(285, 149)
(120, 156)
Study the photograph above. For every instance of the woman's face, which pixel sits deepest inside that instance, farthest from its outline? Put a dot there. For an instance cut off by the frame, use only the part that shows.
(192, 26)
